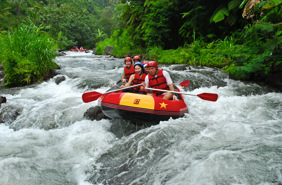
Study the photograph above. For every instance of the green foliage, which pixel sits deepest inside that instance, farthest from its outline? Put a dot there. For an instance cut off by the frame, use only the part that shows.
(211, 33)
(227, 11)
(100, 35)
(27, 54)
(156, 28)
(218, 18)
(77, 20)
(262, 52)
(119, 40)
(272, 3)
(178, 56)
(219, 15)
(215, 54)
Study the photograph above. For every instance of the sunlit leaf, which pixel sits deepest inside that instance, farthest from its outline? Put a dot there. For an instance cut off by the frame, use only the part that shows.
(219, 15)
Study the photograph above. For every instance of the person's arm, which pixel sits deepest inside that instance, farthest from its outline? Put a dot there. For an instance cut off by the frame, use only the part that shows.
(123, 77)
(142, 87)
(169, 95)
(167, 77)
(129, 83)
(171, 87)
(146, 84)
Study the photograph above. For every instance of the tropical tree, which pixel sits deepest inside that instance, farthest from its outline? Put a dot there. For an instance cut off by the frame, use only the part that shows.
(18, 5)
(100, 35)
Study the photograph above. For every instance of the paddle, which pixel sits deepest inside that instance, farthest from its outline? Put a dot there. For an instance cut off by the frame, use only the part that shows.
(185, 83)
(204, 96)
(92, 96)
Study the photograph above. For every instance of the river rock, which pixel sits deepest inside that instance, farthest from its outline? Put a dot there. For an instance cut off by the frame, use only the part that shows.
(274, 79)
(2, 100)
(181, 67)
(8, 114)
(108, 50)
(60, 53)
(52, 73)
(2, 74)
(95, 113)
(59, 79)
(94, 51)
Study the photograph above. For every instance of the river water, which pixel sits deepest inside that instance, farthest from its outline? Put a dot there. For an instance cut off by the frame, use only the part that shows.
(236, 140)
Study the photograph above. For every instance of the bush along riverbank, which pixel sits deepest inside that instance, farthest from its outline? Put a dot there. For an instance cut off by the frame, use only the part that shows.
(27, 55)
(253, 54)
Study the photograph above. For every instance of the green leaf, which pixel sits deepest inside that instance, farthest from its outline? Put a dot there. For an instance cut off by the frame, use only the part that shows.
(243, 3)
(219, 15)
(278, 33)
(278, 62)
(60, 34)
(234, 4)
(272, 3)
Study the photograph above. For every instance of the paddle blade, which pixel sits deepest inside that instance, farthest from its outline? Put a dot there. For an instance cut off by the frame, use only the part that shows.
(208, 96)
(90, 96)
(185, 83)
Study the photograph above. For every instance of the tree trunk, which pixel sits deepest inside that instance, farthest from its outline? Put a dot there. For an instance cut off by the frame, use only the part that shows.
(18, 14)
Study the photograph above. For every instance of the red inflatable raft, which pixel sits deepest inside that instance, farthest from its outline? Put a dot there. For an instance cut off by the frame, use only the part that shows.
(139, 107)
(78, 49)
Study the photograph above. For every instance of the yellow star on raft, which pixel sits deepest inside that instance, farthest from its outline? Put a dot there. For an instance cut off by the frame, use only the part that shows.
(163, 105)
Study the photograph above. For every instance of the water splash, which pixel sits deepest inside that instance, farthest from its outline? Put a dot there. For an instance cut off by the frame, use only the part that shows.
(236, 140)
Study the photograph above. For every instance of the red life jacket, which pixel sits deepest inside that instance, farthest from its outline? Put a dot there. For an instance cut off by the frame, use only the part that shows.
(158, 82)
(138, 80)
(129, 72)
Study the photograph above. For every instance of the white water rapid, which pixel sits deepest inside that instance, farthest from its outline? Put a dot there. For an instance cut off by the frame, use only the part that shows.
(236, 140)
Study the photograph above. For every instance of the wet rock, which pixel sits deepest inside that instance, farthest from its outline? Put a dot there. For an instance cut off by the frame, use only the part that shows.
(1, 77)
(108, 50)
(274, 79)
(181, 68)
(2, 100)
(93, 83)
(52, 73)
(60, 53)
(122, 128)
(95, 113)
(59, 79)
(2, 74)
(94, 51)
(8, 114)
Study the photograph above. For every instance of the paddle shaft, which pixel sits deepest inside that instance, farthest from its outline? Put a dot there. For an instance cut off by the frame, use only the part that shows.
(92, 96)
(153, 89)
(122, 88)
(204, 96)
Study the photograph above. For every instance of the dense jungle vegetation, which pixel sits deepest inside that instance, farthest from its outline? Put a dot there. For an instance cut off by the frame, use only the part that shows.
(31, 30)
(242, 37)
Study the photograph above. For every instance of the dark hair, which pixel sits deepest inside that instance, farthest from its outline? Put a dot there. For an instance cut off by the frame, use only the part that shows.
(142, 68)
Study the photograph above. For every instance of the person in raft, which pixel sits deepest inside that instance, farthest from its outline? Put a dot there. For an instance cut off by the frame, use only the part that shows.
(81, 47)
(159, 79)
(136, 59)
(128, 69)
(137, 78)
(145, 63)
